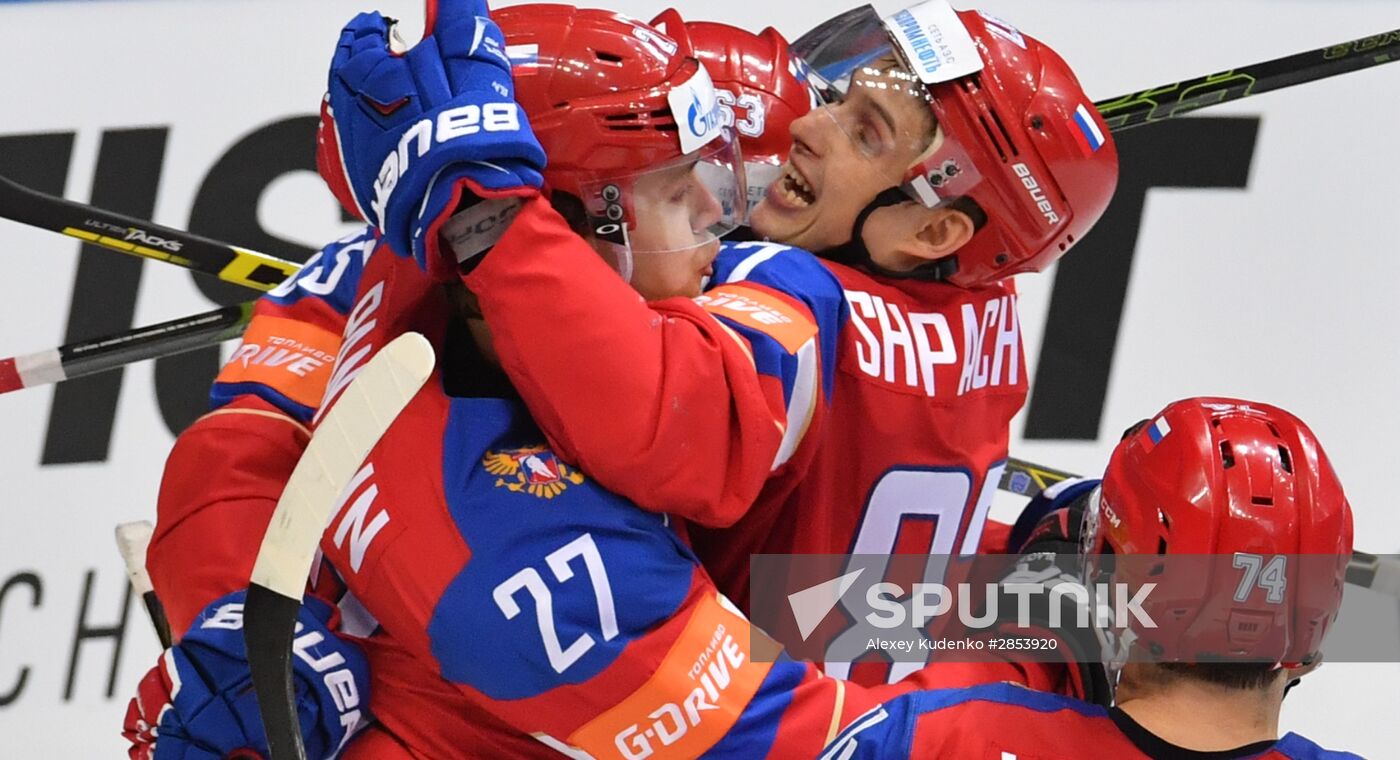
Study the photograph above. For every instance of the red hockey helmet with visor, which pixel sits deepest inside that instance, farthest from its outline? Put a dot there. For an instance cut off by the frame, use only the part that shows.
(991, 114)
(1240, 500)
(631, 124)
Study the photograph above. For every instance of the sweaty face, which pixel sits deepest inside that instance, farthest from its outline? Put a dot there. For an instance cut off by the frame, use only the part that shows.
(843, 155)
(672, 246)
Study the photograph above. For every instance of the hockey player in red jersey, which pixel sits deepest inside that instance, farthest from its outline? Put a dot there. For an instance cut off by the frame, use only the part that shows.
(1244, 481)
(871, 418)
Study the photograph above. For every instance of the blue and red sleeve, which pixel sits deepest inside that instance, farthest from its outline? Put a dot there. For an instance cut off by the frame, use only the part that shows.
(289, 348)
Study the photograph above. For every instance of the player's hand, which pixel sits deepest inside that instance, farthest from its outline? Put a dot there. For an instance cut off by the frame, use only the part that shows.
(1069, 499)
(1047, 581)
(408, 138)
(198, 701)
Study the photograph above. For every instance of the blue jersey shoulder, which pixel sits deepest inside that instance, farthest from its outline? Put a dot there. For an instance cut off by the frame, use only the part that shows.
(784, 268)
(1296, 747)
(799, 275)
(332, 274)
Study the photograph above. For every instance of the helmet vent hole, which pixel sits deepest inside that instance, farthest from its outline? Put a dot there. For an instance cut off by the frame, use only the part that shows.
(605, 57)
(1273, 429)
(992, 136)
(1262, 501)
(1285, 459)
(1161, 552)
(1010, 144)
(1227, 456)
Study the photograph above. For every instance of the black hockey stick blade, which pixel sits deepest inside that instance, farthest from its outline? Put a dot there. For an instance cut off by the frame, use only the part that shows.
(342, 440)
(269, 623)
(136, 237)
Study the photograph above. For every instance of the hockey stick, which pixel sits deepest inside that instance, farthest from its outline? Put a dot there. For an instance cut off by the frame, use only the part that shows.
(1144, 107)
(136, 237)
(90, 356)
(1172, 100)
(340, 444)
(132, 540)
(1380, 574)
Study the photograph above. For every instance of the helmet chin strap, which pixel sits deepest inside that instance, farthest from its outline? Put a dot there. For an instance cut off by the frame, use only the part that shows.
(854, 253)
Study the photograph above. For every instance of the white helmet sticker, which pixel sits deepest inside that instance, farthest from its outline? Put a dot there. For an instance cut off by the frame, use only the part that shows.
(935, 42)
(696, 110)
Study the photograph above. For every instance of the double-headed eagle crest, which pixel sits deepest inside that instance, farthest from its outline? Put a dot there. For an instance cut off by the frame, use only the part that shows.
(534, 470)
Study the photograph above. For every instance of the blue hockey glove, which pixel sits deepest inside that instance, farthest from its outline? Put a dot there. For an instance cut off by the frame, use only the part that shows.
(198, 701)
(406, 135)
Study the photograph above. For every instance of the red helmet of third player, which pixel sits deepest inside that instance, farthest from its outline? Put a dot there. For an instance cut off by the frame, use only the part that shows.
(761, 85)
(1243, 481)
(1015, 132)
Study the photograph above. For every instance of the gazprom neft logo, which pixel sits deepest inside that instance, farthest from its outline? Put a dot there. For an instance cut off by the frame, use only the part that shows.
(918, 40)
(935, 41)
(696, 110)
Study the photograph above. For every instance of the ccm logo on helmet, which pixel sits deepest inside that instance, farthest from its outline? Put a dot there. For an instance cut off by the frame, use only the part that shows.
(450, 124)
(1037, 193)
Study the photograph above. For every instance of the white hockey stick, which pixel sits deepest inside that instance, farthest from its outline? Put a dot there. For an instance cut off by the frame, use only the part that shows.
(340, 444)
(132, 540)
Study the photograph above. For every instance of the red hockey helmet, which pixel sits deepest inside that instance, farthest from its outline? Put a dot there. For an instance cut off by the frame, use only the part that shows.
(613, 100)
(762, 88)
(1248, 484)
(1015, 131)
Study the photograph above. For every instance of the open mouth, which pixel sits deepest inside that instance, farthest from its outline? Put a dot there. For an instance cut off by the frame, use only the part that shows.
(795, 188)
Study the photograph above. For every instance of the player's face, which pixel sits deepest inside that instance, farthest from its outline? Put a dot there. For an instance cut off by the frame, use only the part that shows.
(843, 155)
(673, 248)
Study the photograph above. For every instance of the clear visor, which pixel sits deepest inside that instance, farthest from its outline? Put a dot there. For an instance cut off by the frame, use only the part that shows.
(879, 102)
(1115, 641)
(678, 206)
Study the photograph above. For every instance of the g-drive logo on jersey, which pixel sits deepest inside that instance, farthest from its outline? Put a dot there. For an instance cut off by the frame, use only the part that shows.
(697, 111)
(934, 41)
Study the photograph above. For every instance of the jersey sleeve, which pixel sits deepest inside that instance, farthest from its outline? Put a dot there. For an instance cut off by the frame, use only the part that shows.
(289, 348)
(220, 487)
(684, 406)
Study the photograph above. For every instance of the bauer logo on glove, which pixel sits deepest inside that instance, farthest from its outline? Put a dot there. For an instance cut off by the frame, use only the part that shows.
(406, 137)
